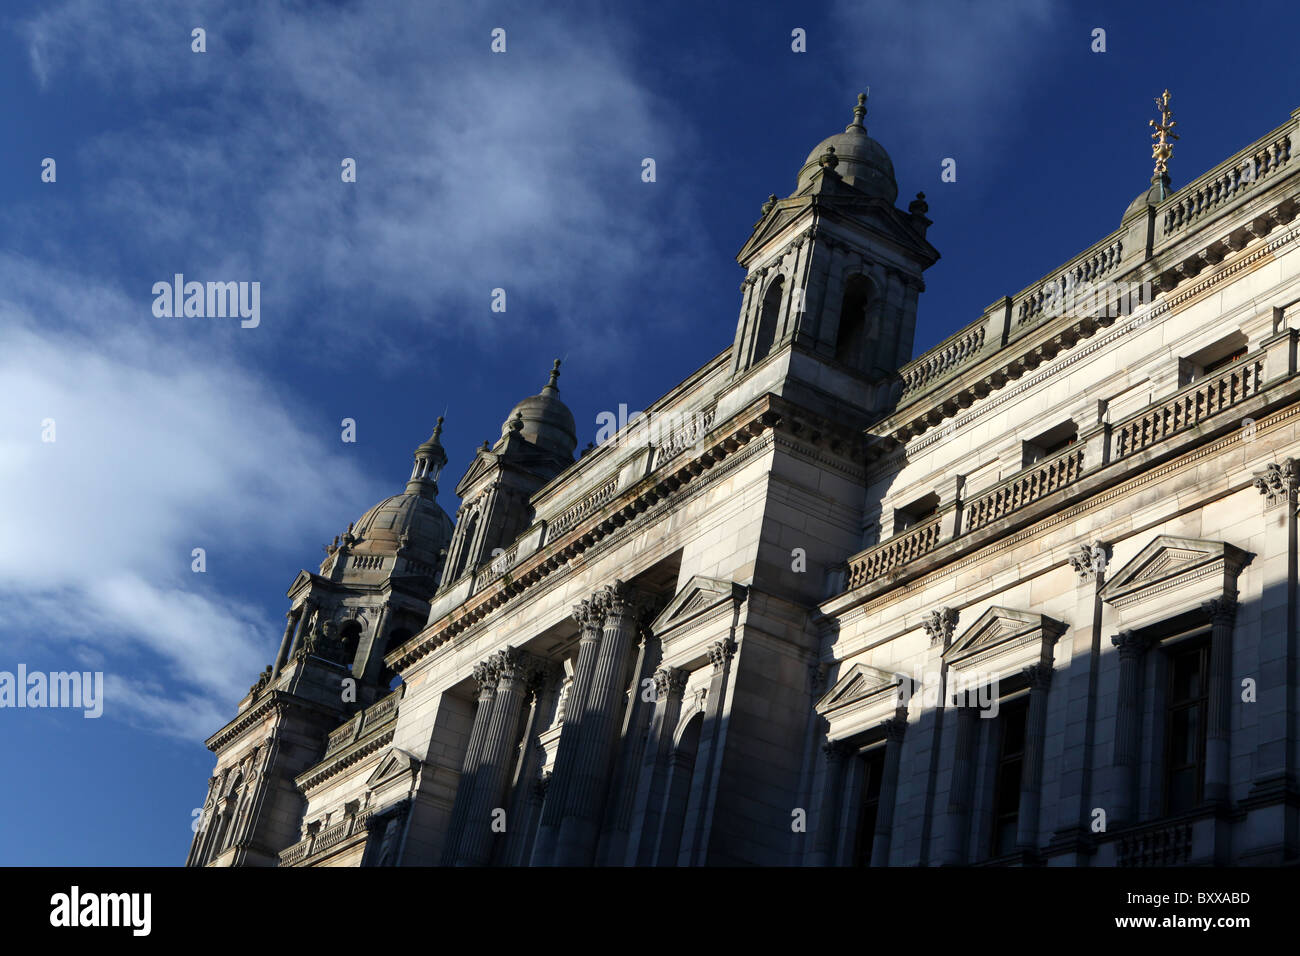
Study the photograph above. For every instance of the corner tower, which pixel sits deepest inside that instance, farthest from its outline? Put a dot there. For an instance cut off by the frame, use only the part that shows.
(833, 273)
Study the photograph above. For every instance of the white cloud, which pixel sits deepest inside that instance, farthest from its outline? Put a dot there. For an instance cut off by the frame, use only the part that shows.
(161, 446)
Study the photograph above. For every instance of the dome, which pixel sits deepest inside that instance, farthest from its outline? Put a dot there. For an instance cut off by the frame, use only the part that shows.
(1157, 194)
(381, 529)
(546, 421)
(859, 160)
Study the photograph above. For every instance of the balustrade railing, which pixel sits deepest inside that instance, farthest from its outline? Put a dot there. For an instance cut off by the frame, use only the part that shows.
(1220, 187)
(1025, 488)
(1203, 399)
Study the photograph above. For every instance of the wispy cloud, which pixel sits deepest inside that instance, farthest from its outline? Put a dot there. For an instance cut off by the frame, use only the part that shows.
(159, 448)
(475, 170)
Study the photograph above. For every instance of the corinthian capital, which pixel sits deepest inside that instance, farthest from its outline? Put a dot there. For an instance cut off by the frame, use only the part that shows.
(1131, 645)
(1277, 483)
(940, 625)
(1221, 611)
(670, 680)
(721, 651)
(619, 601)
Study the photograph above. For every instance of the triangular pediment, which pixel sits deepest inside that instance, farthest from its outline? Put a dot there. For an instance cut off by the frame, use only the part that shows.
(394, 763)
(302, 582)
(861, 682)
(698, 595)
(1001, 627)
(1170, 562)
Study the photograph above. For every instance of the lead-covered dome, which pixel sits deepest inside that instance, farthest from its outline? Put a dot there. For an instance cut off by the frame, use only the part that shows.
(414, 521)
(858, 159)
(547, 421)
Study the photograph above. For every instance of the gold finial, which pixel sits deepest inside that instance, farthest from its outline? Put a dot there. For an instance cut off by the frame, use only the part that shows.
(1162, 149)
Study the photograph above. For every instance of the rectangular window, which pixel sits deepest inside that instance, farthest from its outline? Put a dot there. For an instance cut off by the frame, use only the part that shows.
(1186, 707)
(1048, 443)
(1010, 731)
(873, 769)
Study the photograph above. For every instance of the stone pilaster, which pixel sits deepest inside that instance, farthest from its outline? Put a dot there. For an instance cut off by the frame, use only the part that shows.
(590, 615)
(963, 783)
(895, 730)
(1128, 723)
(586, 796)
(1218, 731)
(670, 685)
(486, 677)
(1031, 772)
(828, 815)
(618, 817)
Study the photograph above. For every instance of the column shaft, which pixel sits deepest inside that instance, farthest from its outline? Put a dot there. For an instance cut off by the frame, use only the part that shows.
(1031, 769)
(959, 797)
(485, 675)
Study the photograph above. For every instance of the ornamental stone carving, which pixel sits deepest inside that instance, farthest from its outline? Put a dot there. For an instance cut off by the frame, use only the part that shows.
(939, 625)
(1090, 560)
(1277, 483)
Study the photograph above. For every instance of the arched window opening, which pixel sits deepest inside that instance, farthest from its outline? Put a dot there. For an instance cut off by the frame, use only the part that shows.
(850, 339)
(350, 635)
(765, 336)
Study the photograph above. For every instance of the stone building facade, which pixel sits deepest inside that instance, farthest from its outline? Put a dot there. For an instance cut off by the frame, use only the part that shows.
(1028, 598)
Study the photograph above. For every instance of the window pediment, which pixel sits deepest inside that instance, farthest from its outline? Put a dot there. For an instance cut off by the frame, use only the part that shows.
(864, 696)
(697, 597)
(1003, 641)
(1190, 567)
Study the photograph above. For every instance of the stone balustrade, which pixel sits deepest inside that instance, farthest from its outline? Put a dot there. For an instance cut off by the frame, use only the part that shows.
(933, 365)
(1220, 187)
(1025, 488)
(1189, 407)
(897, 551)
(583, 508)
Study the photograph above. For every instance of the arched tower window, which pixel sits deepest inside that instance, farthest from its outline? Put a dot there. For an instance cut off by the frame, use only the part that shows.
(850, 339)
(350, 635)
(765, 336)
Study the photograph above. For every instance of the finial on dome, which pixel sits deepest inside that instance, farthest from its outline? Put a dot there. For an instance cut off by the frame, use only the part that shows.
(437, 429)
(859, 113)
(829, 160)
(555, 377)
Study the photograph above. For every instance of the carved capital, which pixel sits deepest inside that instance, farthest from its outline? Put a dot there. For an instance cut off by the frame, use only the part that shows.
(513, 665)
(1131, 645)
(1278, 483)
(590, 615)
(939, 625)
(895, 728)
(1089, 560)
(485, 675)
(720, 652)
(670, 680)
(1221, 611)
(619, 604)
(1039, 676)
(836, 750)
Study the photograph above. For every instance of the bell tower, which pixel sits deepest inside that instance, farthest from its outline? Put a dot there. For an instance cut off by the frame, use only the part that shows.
(833, 274)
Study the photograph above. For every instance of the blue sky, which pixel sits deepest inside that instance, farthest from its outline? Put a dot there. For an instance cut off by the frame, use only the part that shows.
(475, 171)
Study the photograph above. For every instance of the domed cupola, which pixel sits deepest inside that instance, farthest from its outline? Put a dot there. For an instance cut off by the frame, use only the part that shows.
(546, 421)
(413, 524)
(855, 157)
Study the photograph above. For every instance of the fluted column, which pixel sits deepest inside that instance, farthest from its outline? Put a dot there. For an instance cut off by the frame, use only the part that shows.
(486, 677)
(585, 800)
(1218, 730)
(622, 794)
(1128, 722)
(1031, 769)
(285, 642)
(670, 685)
(959, 797)
(828, 816)
(590, 615)
(895, 731)
(512, 667)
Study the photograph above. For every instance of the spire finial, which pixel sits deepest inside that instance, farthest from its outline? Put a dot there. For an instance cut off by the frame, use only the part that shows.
(1162, 149)
(555, 375)
(437, 429)
(859, 113)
